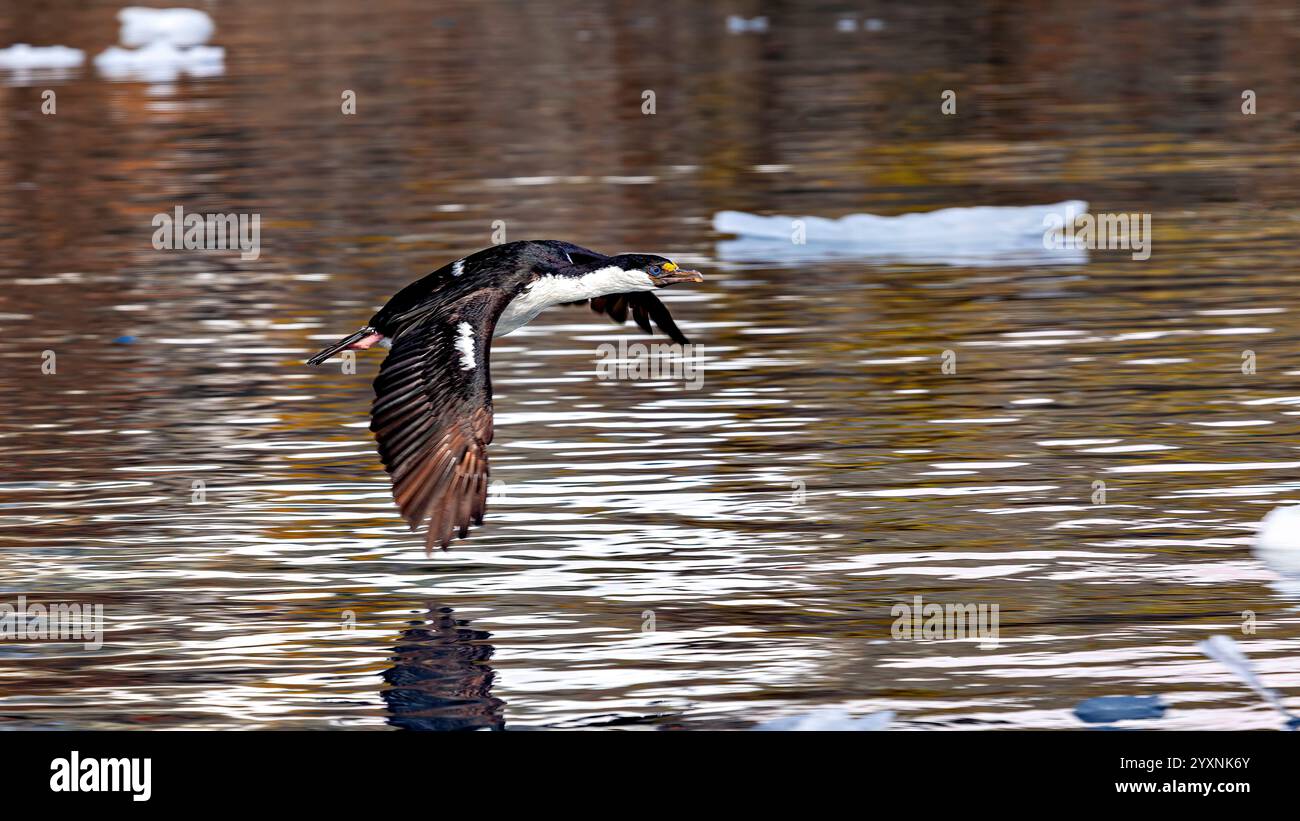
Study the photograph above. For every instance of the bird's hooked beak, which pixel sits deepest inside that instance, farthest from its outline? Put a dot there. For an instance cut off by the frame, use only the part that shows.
(672, 275)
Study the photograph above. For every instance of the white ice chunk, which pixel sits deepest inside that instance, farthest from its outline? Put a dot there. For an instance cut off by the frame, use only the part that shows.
(160, 62)
(24, 57)
(179, 27)
(1277, 544)
(829, 719)
(1280, 530)
(982, 235)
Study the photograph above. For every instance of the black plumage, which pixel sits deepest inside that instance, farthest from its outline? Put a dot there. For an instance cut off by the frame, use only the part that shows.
(432, 413)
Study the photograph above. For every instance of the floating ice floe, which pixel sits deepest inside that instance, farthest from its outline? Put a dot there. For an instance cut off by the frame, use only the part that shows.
(170, 45)
(161, 62)
(1277, 544)
(831, 719)
(23, 56)
(1105, 709)
(1228, 653)
(739, 25)
(24, 65)
(1280, 530)
(180, 27)
(978, 236)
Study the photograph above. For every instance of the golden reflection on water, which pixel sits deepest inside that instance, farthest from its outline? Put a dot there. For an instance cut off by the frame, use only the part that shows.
(826, 470)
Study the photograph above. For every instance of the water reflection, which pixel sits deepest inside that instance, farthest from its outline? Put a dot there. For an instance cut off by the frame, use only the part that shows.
(440, 679)
(828, 466)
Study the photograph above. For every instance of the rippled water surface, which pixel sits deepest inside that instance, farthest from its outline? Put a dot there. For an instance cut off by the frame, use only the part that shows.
(764, 525)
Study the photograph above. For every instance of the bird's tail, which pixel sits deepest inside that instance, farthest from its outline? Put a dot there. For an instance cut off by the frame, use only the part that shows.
(360, 340)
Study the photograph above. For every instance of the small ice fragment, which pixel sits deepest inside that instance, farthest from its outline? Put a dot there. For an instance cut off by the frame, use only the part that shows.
(738, 25)
(22, 56)
(829, 719)
(1104, 709)
(1228, 653)
(160, 62)
(179, 27)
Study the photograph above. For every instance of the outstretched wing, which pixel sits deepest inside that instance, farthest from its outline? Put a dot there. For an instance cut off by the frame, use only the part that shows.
(432, 416)
(644, 307)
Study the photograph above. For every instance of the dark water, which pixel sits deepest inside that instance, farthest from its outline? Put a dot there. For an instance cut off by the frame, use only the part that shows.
(826, 470)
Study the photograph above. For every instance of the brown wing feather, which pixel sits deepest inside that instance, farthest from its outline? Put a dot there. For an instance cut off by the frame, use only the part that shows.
(432, 418)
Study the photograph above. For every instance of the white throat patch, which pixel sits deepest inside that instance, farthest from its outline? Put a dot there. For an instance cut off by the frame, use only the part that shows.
(553, 290)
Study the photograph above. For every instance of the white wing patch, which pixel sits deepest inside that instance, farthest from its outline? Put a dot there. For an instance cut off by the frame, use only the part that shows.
(465, 344)
(458, 267)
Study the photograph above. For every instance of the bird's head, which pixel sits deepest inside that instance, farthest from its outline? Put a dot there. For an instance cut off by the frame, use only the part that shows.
(660, 272)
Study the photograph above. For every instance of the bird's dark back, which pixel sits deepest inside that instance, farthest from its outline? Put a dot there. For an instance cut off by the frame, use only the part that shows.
(508, 267)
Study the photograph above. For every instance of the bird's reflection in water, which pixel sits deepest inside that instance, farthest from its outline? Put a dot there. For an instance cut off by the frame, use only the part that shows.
(440, 679)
